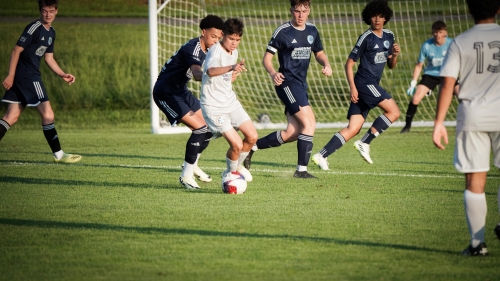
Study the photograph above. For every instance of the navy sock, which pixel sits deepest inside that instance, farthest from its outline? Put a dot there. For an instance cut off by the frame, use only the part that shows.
(380, 124)
(50, 133)
(333, 145)
(304, 149)
(204, 144)
(194, 143)
(272, 140)
(4, 127)
(410, 112)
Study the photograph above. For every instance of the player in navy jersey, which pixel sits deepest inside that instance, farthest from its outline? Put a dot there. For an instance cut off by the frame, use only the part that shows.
(172, 96)
(374, 49)
(23, 84)
(432, 54)
(294, 42)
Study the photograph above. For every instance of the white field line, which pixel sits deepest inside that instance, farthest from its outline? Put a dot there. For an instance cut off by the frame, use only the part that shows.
(331, 172)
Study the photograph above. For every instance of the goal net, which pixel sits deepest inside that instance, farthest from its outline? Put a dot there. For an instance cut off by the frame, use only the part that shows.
(172, 23)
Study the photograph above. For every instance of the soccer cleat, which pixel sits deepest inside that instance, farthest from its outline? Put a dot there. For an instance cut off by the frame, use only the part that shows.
(189, 182)
(364, 150)
(248, 160)
(303, 175)
(202, 176)
(480, 250)
(405, 130)
(497, 230)
(245, 173)
(68, 158)
(321, 161)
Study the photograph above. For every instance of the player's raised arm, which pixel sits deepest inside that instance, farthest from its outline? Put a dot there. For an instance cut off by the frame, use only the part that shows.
(51, 62)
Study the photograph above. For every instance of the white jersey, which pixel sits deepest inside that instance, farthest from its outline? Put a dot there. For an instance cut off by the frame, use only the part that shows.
(474, 56)
(217, 92)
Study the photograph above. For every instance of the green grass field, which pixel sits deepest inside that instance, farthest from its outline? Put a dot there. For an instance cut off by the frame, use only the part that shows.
(120, 213)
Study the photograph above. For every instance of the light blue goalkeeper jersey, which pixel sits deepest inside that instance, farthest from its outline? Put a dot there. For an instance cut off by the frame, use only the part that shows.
(432, 55)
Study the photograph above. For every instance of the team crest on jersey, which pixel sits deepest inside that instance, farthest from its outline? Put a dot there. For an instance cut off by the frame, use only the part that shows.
(386, 44)
(220, 120)
(310, 39)
(50, 41)
(40, 51)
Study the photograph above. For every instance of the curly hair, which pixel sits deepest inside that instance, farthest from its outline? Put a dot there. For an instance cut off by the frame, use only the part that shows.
(212, 21)
(376, 8)
(483, 9)
(233, 26)
(438, 25)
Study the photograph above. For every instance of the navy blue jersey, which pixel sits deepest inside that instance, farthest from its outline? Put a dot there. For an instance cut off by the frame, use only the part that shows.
(294, 49)
(36, 41)
(176, 72)
(372, 51)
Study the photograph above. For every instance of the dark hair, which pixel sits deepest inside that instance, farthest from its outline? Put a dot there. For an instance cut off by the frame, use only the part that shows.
(483, 9)
(295, 3)
(47, 3)
(376, 8)
(233, 26)
(438, 25)
(212, 21)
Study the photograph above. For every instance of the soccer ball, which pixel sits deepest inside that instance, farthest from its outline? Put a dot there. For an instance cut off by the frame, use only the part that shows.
(234, 183)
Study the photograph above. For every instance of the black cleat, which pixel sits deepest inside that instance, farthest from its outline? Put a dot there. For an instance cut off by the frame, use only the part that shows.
(405, 130)
(497, 230)
(248, 160)
(480, 250)
(303, 175)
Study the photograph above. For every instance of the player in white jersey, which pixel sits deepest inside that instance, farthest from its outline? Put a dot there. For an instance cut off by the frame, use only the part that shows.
(474, 56)
(432, 54)
(221, 109)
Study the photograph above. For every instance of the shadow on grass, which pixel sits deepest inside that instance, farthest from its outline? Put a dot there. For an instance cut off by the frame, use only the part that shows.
(211, 233)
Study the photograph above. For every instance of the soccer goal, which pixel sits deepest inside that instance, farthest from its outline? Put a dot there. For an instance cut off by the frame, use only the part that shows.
(174, 22)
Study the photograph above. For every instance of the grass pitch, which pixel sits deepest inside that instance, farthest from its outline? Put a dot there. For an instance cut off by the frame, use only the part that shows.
(120, 214)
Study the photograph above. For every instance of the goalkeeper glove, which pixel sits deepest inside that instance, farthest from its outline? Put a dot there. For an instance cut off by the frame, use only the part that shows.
(411, 90)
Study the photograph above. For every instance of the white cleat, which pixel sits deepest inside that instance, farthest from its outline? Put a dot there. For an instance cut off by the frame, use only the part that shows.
(245, 173)
(202, 176)
(189, 182)
(364, 150)
(321, 162)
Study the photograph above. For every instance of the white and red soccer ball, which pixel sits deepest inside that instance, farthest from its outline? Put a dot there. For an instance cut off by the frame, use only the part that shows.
(234, 183)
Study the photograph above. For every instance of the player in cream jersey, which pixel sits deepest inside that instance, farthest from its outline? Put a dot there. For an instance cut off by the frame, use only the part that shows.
(474, 56)
(221, 109)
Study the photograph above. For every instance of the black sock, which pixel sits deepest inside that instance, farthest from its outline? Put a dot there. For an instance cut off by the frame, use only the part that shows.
(272, 140)
(50, 133)
(206, 141)
(304, 149)
(194, 143)
(410, 112)
(380, 124)
(4, 127)
(333, 145)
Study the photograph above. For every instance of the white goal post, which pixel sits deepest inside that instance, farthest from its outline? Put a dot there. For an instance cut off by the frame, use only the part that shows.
(174, 22)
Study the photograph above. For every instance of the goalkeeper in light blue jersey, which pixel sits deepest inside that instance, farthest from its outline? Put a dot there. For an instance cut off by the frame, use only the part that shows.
(432, 54)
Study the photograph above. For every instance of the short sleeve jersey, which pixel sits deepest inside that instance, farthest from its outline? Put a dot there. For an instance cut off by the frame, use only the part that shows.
(217, 91)
(432, 55)
(372, 51)
(36, 40)
(294, 49)
(176, 72)
(474, 56)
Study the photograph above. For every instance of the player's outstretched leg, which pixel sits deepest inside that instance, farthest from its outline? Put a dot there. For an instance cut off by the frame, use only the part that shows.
(364, 150)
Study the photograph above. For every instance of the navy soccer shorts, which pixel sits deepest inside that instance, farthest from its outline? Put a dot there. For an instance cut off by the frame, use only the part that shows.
(27, 93)
(369, 97)
(293, 96)
(176, 106)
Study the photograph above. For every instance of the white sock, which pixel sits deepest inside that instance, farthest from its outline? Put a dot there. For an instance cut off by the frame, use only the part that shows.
(301, 168)
(188, 170)
(231, 165)
(58, 154)
(255, 148)
(475, 213)
(242, 157)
